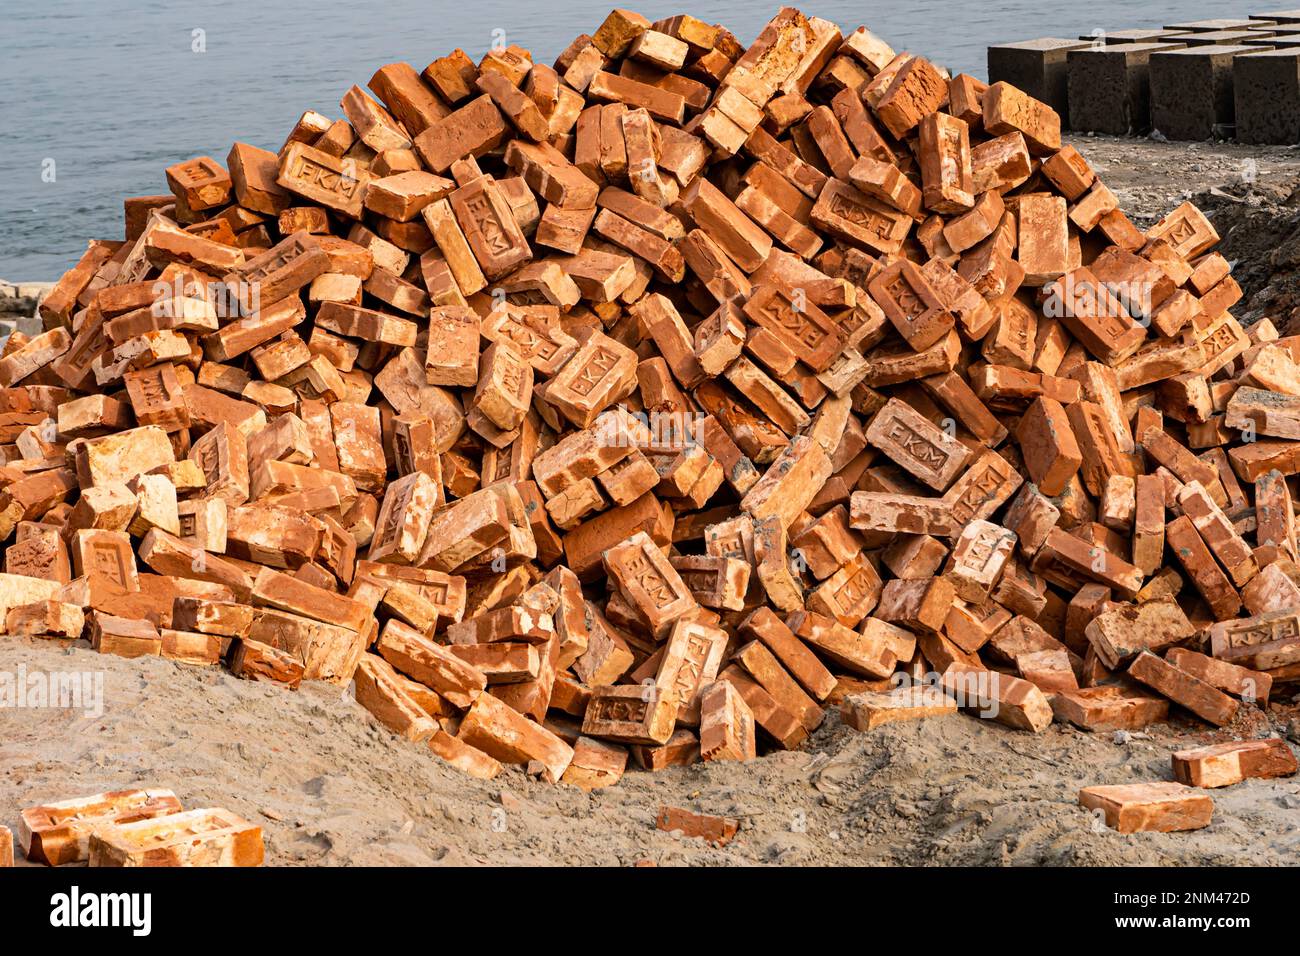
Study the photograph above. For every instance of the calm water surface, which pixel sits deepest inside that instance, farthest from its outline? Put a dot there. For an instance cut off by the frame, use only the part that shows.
(113, 92)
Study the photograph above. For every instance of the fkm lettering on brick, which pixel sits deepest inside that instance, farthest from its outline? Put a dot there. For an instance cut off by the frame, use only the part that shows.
(919, 448)
(981, 549)
(983, 489)
(310, 172)
(731, 546)
(1219, 340)
(589, 376)
(281, 259)
(1181, 231)
(1264, 632)
(844, 207)
(698, 580)
(108, 562)
(195, 172)
(393, 524)
(691, 670)
(855, 589)
(624, 709)
(489, 227)
(901, 291)
(651, 580)
(512, 375)
(531, 344)
(780, 311)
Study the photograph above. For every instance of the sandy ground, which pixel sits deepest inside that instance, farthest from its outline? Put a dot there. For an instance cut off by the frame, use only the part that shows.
(330, 786)
(1151, 177)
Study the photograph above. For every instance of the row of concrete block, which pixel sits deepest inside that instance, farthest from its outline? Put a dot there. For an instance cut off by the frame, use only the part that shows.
(1190, 81)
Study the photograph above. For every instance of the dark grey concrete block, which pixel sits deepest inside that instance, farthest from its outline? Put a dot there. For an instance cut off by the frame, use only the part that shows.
(1035, 66)
(1266, 88)
(1108, 89)
(1205, 26)
(1136, 36)
(1191, 91)
(1221, 37)
(1279, 41)
(1280, 16)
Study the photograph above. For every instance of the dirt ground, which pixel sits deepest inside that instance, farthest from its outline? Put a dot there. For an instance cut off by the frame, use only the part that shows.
(330, 786)
(1250, 194)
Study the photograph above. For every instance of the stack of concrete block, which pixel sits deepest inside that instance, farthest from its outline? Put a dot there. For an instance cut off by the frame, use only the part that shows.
(1218, 25)
(1261, 39)
(1193, 80)
(1192, 91)
(1036, 66)
(1112, 38)
(1109, 87)
(1228, 37)
(1266, 91)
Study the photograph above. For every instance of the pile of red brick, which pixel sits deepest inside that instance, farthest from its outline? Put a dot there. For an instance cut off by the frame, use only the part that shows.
(675, 390)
